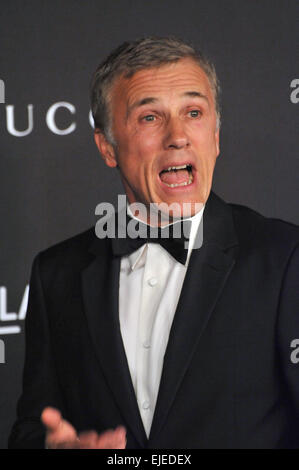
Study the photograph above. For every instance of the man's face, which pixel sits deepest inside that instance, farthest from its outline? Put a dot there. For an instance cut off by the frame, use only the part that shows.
(164, 118)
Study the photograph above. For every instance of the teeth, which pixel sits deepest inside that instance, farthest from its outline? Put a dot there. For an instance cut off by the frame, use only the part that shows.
(182, 167)
(186, 183)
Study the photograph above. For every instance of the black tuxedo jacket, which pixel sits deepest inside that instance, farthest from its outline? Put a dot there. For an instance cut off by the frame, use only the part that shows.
(228, 379)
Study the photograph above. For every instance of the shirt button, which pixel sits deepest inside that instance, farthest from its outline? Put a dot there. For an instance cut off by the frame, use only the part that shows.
(153, 281)
(146, 344)
(145, 405)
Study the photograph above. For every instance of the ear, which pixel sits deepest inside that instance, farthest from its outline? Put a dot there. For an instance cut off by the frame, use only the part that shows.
(105, 148)
(217, 141)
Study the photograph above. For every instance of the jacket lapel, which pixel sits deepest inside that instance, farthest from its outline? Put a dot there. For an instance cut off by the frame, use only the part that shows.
(100, 285)
(208, 271)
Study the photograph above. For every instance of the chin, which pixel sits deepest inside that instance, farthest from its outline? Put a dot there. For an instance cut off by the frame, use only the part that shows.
(178, 209)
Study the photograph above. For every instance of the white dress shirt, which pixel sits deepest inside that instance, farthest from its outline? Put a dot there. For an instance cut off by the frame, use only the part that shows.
(149, 289)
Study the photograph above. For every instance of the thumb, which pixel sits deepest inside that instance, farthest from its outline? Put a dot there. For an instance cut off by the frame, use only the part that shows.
(59, 432)
(51, 418)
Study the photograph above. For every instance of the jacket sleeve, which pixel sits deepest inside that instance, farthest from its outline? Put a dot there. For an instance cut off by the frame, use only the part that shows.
(288, 337)
(40, 387)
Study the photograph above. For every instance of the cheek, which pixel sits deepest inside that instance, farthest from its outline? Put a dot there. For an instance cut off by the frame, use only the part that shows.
(147, 141)
(208, 141)
(142, 151)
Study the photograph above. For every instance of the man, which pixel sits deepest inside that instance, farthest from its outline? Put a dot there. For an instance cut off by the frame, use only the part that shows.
(195, 353)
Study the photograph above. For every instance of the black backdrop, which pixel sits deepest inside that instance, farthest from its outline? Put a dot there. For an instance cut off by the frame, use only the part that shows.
(50, 183)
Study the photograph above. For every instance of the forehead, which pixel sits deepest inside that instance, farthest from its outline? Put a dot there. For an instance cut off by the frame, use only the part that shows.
(167, 80)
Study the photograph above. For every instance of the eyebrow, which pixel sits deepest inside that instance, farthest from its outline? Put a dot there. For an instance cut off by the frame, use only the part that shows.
(151, 99)
(141, 102)
(196, 94)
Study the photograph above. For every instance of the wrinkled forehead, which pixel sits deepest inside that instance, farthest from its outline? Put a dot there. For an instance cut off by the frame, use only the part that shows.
(173, 79)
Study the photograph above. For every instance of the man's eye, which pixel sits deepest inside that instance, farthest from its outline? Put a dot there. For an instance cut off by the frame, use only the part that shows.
(195, 113)
(149, 118)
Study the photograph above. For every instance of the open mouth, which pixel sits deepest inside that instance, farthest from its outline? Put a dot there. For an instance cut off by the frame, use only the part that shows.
(175, 176)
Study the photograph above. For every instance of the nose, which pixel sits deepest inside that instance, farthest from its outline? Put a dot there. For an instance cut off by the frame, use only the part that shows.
(175, 135)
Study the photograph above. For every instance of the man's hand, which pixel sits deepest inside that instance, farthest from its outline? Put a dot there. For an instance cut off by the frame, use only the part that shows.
(62, 435)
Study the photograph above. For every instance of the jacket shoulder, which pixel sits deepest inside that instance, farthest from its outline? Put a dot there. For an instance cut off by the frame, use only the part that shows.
(68, 253)
(267, 233)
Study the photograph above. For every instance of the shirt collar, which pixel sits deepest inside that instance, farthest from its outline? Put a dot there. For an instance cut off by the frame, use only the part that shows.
(138, 258)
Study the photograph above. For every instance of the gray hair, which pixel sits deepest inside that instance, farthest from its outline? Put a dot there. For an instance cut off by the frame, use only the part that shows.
(129, 58)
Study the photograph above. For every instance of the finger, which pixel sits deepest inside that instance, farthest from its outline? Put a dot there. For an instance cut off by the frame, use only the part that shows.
(112, 439)
(74, 444)
(120, 437)
(88, 440)
(51, 418)
(60, 433)
(62, 440)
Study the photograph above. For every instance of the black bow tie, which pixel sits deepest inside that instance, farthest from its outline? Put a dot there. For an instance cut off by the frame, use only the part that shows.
(173, 238)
